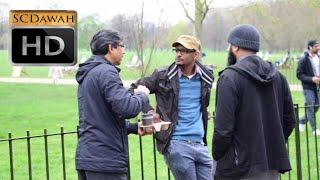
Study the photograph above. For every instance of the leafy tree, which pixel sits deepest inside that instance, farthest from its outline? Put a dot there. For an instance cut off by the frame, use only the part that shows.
(87, 26)
(176, 30)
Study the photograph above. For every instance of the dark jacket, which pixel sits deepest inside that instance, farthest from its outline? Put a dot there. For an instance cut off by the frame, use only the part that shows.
(104, 104)
(164, 82)
(254, 118)
(305, 72)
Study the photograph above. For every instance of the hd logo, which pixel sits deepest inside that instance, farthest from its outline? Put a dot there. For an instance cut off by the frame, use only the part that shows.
(46, 37)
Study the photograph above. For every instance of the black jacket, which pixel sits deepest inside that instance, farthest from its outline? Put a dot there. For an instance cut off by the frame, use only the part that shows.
(254, 118)
(164, 83)
(104, 104)
(305, 72)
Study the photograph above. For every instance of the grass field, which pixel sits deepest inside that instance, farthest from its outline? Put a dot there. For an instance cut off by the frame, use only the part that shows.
(35, 107)
(160, 58)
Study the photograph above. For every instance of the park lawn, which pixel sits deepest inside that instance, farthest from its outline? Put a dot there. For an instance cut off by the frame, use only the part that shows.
(35, 107)
(160, 58)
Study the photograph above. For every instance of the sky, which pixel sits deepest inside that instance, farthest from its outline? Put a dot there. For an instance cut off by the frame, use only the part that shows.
(172, 10)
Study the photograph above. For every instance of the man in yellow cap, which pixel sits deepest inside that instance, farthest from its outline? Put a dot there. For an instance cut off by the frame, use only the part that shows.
(182, 93)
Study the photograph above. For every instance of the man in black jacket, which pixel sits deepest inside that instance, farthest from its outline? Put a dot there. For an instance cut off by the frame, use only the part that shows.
(182, 93)
(308, 72)
(254, 113)
(104, 104)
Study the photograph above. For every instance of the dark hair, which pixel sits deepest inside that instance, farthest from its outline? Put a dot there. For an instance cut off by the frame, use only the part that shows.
(312, 43)
(102, 39)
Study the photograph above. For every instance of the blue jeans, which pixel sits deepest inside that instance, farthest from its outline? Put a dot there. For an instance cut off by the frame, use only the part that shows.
(311, 97)
(188, 160)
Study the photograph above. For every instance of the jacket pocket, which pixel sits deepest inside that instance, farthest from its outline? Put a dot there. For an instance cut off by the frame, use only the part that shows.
(230, 160)
(164, 86)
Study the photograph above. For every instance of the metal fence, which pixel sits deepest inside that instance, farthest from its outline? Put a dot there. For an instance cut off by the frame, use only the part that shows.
(36, 157)
(288, 69)
(14, 160)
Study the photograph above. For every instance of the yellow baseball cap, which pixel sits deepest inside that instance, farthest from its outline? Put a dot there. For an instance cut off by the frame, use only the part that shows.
(188, 42)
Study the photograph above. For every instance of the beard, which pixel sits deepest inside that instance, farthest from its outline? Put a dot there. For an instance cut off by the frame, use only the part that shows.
(231, 58)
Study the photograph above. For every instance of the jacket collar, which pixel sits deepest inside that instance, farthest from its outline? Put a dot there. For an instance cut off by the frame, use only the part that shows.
(103, 59)
(204, 73)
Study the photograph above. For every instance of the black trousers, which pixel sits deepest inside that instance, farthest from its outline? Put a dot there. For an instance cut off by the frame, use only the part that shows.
(93, 175)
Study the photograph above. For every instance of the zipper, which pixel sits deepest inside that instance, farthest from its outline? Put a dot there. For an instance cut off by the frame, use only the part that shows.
(236, 157)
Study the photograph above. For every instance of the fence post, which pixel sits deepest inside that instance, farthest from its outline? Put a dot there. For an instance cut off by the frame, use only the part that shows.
(141, 158)
(63, 155)
(46, 153)
(307, 135)
(11, 156)
(297, 138)
(316, 135)
(78, 132)
(155, 157)
(29, 155)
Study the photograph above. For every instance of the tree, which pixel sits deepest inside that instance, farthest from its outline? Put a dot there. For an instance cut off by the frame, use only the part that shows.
(3, 26)
(201, 8)
(87, 27)
(176, 30)
(142, 35)
(121, 23)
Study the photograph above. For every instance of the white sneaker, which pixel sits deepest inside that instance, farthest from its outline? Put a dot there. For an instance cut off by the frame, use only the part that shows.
(302, 127)
(317, 132)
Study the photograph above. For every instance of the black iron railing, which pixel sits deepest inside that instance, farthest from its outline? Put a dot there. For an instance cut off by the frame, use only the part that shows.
(302, 147)
(28, 138)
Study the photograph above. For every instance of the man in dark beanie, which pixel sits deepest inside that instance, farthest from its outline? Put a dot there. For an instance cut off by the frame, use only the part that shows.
(254, 113)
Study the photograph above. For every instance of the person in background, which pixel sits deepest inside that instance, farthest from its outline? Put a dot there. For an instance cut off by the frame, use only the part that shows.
(104, 105)
(254, 113)
(55, 72)
(308, 72)
(182, 93)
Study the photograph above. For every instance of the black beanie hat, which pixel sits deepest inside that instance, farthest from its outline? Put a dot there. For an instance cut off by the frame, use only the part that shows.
(245, 36)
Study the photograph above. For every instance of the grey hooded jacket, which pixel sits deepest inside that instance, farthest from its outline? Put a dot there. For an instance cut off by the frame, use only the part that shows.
(104, 104)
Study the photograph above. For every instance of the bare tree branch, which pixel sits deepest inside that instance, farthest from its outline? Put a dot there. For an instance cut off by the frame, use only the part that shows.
(206, 9)
(186, 12)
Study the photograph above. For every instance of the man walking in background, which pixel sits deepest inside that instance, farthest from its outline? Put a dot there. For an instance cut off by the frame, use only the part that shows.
(308, 72)
(104, 104)
(254, 113)
(183, 93)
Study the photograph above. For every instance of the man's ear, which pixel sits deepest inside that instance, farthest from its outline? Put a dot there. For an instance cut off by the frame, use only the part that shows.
(110, 49)
(236, 48)
(196, 55)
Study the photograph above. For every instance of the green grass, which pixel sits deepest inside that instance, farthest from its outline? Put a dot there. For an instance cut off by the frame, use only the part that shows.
(35, 107)
(160, 58)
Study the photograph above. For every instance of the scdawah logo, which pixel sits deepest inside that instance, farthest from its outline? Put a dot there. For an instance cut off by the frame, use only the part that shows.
(43, 37)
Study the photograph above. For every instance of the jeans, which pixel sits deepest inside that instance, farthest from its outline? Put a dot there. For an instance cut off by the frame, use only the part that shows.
(311, 97)
(188, 160)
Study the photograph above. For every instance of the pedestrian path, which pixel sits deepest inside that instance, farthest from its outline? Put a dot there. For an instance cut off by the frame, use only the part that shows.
(126, 83)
